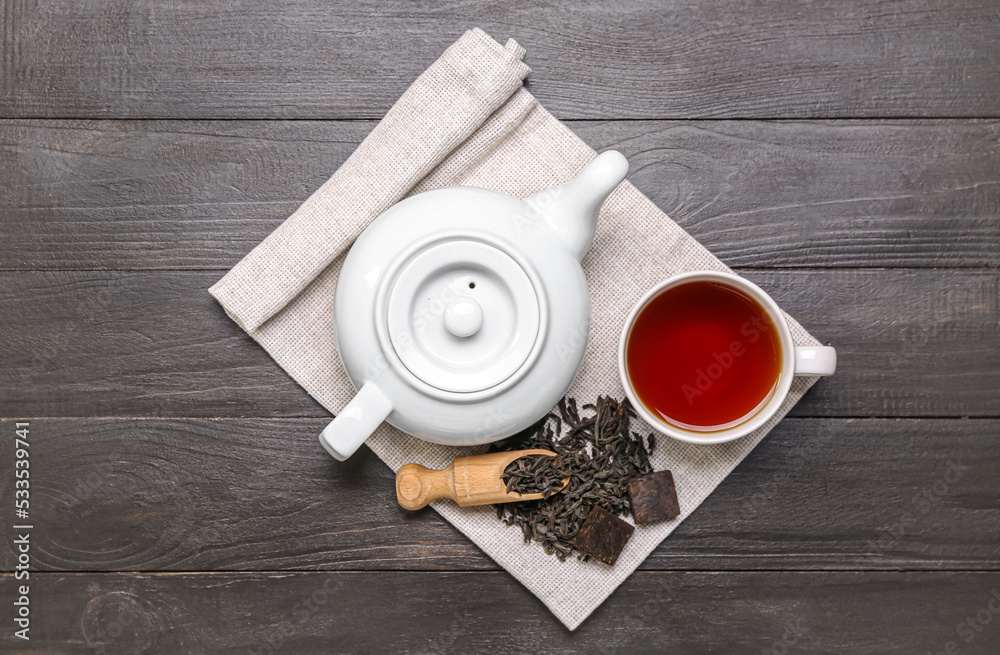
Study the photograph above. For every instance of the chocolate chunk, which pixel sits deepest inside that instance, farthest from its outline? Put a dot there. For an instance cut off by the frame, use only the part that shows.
(603, 535)
(653, 498)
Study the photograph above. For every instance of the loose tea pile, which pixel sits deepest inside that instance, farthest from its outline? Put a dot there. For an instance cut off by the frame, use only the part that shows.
(533, 474)
(598, 454)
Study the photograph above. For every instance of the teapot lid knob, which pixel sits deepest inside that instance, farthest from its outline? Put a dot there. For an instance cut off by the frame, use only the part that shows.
(463, 317)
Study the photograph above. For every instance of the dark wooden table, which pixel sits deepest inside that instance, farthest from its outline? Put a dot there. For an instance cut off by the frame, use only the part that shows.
(843, 155)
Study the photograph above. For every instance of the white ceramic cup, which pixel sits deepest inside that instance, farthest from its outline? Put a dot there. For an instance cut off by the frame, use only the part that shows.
(795, 360)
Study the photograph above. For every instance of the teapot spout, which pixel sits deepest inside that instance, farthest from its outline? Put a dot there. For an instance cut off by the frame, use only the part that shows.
(571, 209)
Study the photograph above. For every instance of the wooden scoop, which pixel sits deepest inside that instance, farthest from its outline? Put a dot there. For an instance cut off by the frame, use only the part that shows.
(474, 480)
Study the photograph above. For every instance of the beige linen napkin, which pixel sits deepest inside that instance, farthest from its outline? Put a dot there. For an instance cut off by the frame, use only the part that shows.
(467, 121)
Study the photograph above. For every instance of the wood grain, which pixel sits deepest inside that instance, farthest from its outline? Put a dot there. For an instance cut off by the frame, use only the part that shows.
(911, 343)
(638, 59)
(175, 444)
(862, 613)
(260, 494)
(201, 194)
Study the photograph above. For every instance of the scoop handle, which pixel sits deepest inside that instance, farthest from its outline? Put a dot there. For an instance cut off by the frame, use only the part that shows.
(418, 485)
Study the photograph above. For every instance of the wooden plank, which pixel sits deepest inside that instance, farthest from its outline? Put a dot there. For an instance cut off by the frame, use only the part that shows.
(152, 194)
(260, 494)
(172, 194)
(860, 613)
(840, 193)
(680, 59)
(911, 343)
(132, 344)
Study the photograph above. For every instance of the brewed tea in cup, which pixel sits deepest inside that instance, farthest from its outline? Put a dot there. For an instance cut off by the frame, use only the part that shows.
(707, 357)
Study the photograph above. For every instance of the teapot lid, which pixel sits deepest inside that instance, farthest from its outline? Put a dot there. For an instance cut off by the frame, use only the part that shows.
(462, 312)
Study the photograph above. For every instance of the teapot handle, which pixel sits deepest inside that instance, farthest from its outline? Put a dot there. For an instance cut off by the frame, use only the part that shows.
(356, 422)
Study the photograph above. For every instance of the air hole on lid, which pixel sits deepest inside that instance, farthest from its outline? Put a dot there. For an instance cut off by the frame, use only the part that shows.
(472, 285)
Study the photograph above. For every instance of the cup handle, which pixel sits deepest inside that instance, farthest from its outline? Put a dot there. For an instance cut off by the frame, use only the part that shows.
(815, 360)
(356, 422)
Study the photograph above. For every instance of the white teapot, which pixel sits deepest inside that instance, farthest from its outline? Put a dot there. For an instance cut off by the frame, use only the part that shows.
(462, 314)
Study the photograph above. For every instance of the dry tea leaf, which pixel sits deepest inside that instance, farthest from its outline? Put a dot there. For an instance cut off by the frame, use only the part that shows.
(598, 454)
(533, 474)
